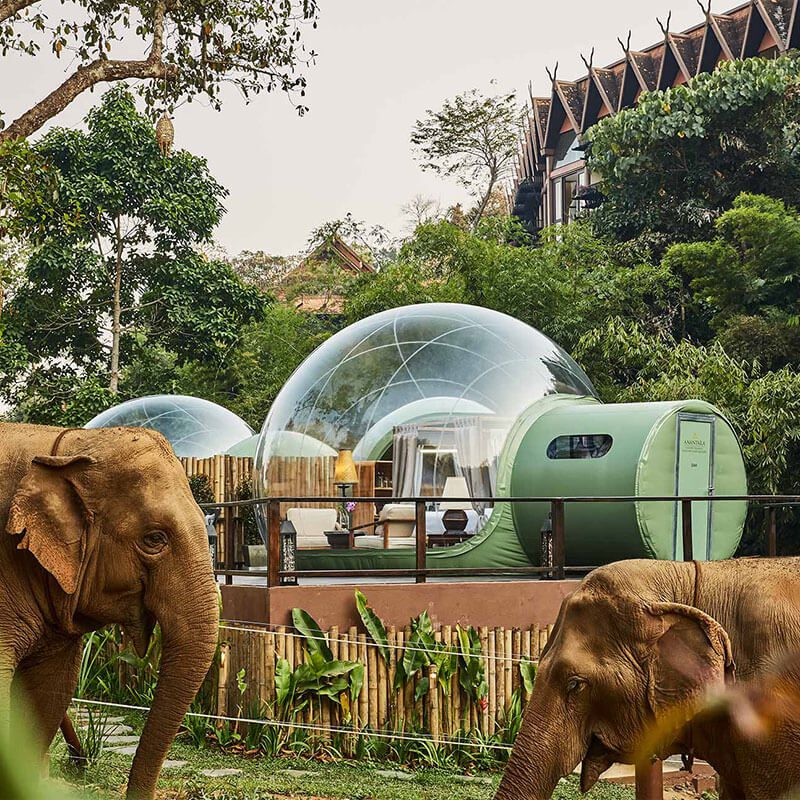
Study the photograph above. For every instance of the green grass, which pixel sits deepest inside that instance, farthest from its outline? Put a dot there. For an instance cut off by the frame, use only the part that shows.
(268, 777)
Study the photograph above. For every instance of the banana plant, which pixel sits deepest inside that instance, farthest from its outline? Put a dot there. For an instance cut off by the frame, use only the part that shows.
(472, 675)
(320, 676)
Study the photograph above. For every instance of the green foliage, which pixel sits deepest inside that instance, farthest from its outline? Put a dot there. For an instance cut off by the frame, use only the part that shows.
(122, 210)
(572, 282)
(472, 675)
(101, 674)
(316, 641)
(747, 279)
(267, 353)
(527, 670)
(320, 676)
(399, 284)
(374, 625)
(199, 46)
(201, 489)
(681, 156)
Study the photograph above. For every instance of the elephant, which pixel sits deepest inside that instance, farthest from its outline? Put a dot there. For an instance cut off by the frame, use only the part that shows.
(100, 527)
(635, 655)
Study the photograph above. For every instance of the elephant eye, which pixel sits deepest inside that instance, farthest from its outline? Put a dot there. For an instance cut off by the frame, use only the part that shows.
(154, 542)
(574, 685)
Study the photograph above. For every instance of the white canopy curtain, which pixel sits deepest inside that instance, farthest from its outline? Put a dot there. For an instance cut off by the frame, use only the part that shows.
(405, 441)
(478, 445)
(476, 440)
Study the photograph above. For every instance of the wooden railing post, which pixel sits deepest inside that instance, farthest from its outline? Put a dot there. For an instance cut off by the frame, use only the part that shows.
(273, 543)
(650, 781)
(559, 543)
(772, 531)
(422, 540)
(686, 523)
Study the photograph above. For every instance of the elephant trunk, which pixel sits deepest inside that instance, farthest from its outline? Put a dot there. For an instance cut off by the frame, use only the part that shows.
(189, 644)
(545, 750)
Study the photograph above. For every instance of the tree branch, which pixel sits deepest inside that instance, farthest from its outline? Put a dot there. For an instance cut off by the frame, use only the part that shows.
(87, 75)
(10, 7)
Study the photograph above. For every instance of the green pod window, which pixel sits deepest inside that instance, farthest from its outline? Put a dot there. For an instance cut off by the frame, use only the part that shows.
(580, 446)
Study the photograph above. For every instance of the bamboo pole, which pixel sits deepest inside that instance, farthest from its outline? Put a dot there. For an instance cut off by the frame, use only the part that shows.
(222, 679)
(364, 710)
(383, 687)
(446, 712)
(280, 642)
(372, 683)
(433, 702)
(408, 689)
(485, 712)
(269, 658)
(508, 666)
(493, 694)
(400, 702)
(392, 696)
(526, 654)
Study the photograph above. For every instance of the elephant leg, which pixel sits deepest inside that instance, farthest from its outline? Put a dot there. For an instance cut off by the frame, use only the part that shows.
(43, 686)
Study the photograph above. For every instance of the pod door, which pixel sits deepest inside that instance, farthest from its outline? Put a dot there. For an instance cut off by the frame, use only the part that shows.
(694, 477)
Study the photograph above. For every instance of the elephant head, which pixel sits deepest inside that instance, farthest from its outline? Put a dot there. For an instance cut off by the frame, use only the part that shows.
(617, 682)
(119, 538)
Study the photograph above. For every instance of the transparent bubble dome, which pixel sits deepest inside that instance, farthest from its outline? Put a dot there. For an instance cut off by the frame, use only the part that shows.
(423, 369)
(194, 427)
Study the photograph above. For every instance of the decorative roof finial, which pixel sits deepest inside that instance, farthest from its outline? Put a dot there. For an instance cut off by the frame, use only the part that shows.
(706, 10)
(665, 28)
(623, 45)
(590, 62)
(554, 74)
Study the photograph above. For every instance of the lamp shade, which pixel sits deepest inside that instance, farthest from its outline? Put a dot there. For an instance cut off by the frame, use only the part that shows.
(455, 487)
(345, 471)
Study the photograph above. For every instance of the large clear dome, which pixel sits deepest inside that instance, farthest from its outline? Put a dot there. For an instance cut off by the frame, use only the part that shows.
(194, 427)
(428, 391)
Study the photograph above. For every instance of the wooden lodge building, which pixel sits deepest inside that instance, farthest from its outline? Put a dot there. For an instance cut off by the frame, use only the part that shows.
(552, 181)
(336, 253)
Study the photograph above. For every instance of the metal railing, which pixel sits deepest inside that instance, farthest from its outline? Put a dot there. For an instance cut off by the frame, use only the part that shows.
(421, 572)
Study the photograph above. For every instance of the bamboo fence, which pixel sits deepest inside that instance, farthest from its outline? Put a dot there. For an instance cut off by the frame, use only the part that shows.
(225, 474)
(248, 659)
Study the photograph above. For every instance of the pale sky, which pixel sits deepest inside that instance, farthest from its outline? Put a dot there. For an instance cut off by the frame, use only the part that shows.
(381, 64)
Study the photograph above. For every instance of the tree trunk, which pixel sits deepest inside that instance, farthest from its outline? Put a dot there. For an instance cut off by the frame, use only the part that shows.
(484, 201)
(116, 327)
(101, 70)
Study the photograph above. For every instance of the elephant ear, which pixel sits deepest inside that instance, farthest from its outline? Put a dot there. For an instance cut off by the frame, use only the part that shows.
(691, 656)
(49, 511)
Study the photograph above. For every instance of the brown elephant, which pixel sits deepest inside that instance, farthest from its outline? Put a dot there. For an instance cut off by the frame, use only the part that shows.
(635, 654)
(100, 527)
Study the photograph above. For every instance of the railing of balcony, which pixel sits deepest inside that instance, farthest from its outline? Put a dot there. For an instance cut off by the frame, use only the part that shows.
(421, 572)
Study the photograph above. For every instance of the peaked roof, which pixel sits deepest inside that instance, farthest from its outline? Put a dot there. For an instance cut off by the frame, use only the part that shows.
(747, 30)
(337, 250)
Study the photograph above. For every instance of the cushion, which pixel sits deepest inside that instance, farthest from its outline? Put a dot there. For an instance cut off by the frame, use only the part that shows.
(376, 542)
(398, 512)
(311, 524)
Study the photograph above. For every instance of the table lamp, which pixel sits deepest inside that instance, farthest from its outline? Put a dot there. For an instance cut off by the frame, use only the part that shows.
(345, 476)
(455, 511)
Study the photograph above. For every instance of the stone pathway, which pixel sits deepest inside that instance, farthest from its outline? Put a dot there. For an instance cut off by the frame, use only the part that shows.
(220, 773)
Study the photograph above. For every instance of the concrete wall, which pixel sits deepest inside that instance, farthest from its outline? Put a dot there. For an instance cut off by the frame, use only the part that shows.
(510, 604)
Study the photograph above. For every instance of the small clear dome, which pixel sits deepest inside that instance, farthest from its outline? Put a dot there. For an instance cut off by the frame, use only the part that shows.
(194, 427)
(431, 391)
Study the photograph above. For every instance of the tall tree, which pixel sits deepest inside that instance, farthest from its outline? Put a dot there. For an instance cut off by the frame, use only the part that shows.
(189, 48)
(677, 160)
(112, 259)
(473, 139)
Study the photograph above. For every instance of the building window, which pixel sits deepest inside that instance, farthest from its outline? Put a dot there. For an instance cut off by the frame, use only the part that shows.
(570, 205)
(593, 445)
